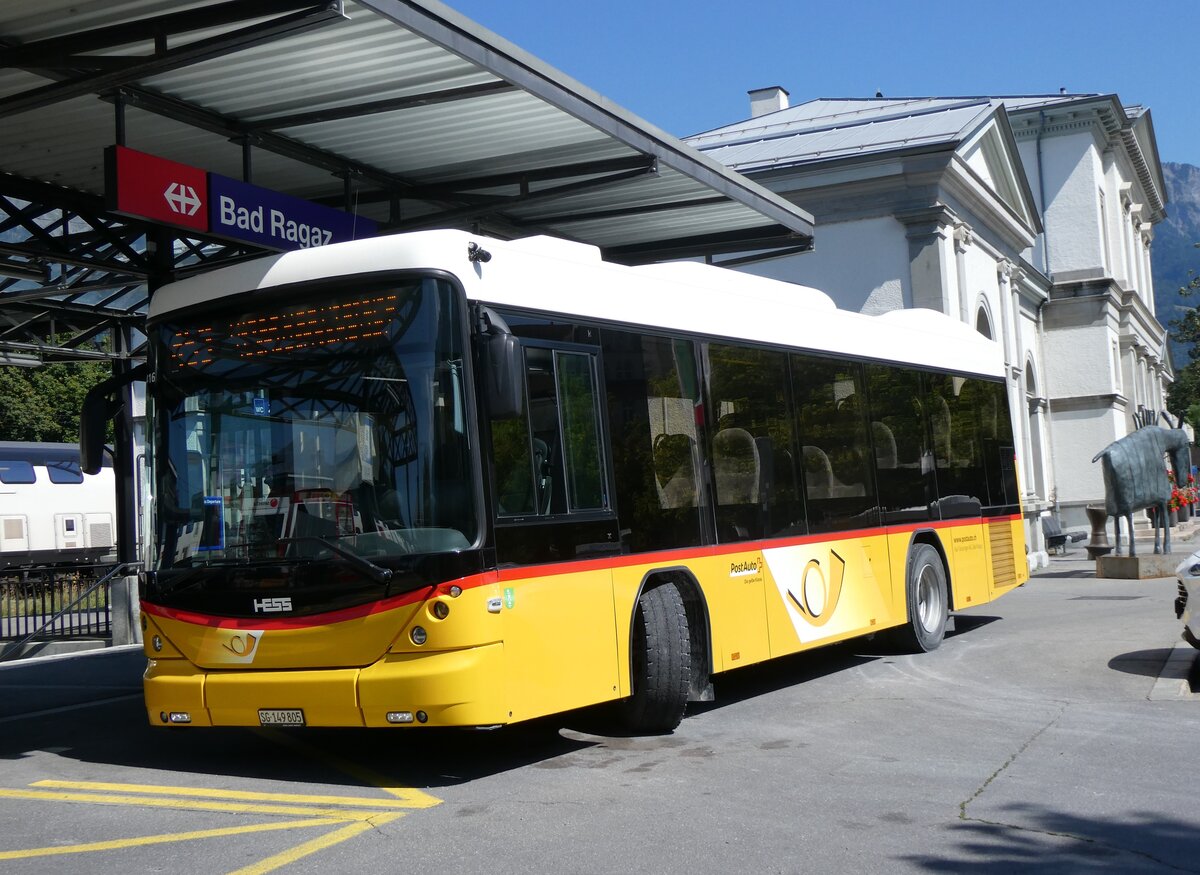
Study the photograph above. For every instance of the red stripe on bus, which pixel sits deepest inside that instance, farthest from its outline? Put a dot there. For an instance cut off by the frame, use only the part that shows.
(710, 552)
(354, 613)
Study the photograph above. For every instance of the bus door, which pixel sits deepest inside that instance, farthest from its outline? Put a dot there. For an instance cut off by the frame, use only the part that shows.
(552, 512)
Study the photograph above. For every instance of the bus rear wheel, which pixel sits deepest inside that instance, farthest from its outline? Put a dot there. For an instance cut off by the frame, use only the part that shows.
(928, 601)
(662, 663)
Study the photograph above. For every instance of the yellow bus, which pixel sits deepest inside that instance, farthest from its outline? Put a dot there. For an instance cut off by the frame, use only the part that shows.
(445, 480)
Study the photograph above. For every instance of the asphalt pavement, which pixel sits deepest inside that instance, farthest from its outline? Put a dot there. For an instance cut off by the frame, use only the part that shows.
(1053, 731)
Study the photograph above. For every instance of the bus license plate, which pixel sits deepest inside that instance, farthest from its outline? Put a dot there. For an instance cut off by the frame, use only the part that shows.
(280, 717)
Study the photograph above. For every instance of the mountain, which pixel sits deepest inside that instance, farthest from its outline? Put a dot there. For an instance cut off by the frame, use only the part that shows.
(1174, 252)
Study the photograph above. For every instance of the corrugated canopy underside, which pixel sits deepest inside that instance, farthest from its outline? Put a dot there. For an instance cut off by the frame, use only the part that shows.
(398, 110)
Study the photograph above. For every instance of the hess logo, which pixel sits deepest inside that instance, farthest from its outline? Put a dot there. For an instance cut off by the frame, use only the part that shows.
(272, 606)
(819, 591)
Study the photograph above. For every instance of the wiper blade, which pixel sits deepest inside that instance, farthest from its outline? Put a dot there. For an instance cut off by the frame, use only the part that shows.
(369, 569)
(193, 575)
(186, 580)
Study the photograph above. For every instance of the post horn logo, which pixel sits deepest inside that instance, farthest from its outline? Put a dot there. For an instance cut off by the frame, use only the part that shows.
(818, 595)
(241, 645)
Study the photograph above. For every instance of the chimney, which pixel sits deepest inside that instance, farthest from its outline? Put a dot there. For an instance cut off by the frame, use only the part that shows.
(765, 100)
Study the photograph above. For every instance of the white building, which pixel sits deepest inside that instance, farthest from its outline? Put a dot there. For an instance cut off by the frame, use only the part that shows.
(1028, 218)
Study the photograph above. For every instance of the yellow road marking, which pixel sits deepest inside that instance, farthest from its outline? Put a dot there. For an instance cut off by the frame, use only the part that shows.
(244, 795)
(321, 810)
(117, 844)
(415, 798)
(311, 847)
(193, 805)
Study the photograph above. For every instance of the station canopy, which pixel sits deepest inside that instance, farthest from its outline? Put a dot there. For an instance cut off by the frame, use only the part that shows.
(402, 112)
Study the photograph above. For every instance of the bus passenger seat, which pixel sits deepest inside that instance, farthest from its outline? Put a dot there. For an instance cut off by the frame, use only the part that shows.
(675, 471)
(736, 466)
(818, 473)
(885, 445)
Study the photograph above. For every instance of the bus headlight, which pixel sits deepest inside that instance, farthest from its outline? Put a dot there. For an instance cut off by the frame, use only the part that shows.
(418, 635)
(441, 610)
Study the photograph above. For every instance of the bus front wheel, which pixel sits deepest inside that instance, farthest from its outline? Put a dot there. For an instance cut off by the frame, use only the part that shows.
(662, 663)
(928, 601)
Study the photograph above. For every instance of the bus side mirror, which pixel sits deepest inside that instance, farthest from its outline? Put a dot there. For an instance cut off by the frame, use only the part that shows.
(503, 370)
(101, 404)
(93, 420)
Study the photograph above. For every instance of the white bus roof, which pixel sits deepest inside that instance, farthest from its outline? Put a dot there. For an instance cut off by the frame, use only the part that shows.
(559, 276)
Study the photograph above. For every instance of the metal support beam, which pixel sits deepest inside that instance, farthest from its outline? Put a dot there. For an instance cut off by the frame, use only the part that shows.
(745, 240)
(488, 205)
(123, 454)
(394, 104)
(24, 271)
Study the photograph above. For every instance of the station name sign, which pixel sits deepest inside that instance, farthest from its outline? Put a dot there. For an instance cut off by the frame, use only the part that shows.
(187, 197)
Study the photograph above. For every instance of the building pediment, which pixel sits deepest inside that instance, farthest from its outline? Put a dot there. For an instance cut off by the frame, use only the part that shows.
(990, 153)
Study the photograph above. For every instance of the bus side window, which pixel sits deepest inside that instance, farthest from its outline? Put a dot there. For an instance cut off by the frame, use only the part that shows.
(514, 461)
(549, 460)
(752, 463)
(549, 496)
(838, 452)
(903, 451)
(579, 410)
(653, 401)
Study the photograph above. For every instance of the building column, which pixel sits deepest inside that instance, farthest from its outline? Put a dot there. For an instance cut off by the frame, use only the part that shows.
(963, 237)
(1145, 237)
(1006, 271)
(931, 256)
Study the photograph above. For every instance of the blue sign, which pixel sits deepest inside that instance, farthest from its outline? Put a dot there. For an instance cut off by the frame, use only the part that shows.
(212, 533)
(262, 407)
(277, 221)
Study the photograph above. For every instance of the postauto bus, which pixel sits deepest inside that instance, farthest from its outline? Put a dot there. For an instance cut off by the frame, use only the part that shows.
(440, 479)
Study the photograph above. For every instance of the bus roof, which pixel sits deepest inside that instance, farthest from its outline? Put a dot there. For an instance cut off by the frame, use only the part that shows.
(559, 276)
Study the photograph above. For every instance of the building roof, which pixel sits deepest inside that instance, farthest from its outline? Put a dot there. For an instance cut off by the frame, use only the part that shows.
(831, 133)
(828, 129)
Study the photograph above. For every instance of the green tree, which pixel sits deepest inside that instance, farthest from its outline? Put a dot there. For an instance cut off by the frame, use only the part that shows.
(1184, 395)
(43, 403)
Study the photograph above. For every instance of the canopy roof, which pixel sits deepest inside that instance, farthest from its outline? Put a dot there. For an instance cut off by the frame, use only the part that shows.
(401, 111)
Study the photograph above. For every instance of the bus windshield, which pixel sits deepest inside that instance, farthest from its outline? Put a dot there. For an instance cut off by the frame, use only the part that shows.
(312, 425)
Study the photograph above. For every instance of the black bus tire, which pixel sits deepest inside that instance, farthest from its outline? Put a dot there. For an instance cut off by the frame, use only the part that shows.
(928, 600)
(661, 664)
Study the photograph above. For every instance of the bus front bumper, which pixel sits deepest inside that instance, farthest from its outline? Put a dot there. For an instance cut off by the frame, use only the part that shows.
(447, 688)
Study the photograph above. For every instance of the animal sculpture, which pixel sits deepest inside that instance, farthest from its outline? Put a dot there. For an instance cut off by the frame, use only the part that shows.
(1136, 478)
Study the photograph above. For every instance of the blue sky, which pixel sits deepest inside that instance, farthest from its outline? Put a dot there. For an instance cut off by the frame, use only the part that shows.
(686, 66)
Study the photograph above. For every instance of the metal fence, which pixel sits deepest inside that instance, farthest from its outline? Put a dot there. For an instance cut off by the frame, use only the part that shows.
(49, 604)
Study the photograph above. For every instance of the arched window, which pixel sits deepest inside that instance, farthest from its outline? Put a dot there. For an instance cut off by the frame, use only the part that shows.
(983, 322)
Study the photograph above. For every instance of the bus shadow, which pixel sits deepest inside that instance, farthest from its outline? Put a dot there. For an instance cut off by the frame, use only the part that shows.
(115, 733)
(788, 671)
